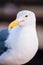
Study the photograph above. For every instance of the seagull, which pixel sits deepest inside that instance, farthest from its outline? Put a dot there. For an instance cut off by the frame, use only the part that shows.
(19, 42)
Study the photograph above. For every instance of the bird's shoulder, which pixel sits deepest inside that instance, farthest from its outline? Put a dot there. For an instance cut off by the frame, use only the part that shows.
(3, 34)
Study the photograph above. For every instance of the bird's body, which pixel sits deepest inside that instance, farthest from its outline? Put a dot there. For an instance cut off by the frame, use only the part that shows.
(22, 46)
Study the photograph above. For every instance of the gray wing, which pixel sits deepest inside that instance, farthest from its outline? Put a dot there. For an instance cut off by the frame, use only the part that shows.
(3, 36)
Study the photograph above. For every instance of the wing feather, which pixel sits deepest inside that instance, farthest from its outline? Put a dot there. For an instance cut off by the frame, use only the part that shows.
(3, 36)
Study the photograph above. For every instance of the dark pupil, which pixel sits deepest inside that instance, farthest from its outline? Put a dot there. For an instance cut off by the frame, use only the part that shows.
(26, 15)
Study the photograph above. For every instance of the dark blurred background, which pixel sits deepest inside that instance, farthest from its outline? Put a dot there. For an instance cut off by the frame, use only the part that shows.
(8, 11)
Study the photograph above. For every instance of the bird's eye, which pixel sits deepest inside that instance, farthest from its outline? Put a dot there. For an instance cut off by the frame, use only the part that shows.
(26, 15)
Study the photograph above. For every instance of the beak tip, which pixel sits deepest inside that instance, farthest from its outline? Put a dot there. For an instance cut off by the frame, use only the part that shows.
(13, 24)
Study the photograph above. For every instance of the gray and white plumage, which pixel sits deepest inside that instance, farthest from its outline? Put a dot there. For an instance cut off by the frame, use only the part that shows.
(22, 41)
(3, 36)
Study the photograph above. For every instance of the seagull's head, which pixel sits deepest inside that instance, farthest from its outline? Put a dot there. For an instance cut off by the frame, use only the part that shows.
(24, 18)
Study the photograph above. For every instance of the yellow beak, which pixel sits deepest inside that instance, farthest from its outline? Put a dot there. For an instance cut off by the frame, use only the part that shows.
(13, 24)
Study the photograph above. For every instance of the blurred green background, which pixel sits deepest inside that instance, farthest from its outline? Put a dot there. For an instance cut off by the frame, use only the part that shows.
(8, 12)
